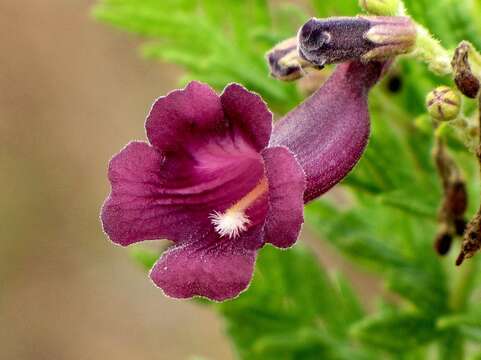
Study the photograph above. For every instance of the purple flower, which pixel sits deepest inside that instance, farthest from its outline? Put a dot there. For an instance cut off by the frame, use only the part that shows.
(217, 183)
(208, 182)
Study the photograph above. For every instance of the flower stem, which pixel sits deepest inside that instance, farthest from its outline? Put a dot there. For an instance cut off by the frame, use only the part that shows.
(429, 50)
(464, 285)
(453, 346)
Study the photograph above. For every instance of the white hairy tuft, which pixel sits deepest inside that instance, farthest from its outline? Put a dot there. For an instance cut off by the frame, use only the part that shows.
(230, 223)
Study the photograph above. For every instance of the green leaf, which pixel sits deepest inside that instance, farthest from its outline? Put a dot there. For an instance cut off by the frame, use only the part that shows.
(423, 286)
(291, 308)
(472, 318)
(468, 324)
(349, 233)
(213, 45)
(402, 199)
(353, 308)
(144, 257)
(397, 332)
(451, 346)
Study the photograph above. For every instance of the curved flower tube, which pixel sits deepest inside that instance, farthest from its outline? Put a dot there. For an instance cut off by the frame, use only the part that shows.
(214, 181)
(329, 131)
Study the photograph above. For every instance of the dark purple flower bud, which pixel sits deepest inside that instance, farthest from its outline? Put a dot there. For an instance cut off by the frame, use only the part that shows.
(214, 181)
(365, 38)
(284, 61)
(329, 131)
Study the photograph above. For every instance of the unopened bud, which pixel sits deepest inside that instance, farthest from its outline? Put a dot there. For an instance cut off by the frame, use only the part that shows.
(284, 61)
(380, 7)
(443, 103)
(364, 38)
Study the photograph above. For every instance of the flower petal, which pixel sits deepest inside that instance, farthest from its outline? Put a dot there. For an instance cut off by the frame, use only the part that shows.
(183, 114)
(217, 272)
(329, 131)
(249, 113)
(129, 213)
(155, 197)
(286, 189)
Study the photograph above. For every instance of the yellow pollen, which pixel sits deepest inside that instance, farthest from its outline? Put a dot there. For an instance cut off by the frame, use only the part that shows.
(234, 220)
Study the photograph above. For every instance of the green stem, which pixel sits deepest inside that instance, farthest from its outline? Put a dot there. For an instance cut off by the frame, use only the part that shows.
(430, 50)
(452, 347)
(464, 286)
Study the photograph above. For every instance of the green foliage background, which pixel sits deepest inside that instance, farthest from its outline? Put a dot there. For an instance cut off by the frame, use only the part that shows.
(294, 309)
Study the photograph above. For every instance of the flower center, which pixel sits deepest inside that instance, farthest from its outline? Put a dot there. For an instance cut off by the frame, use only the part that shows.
(234, 220)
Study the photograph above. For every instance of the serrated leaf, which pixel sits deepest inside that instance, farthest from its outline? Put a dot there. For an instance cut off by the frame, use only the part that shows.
(398, 332)
(425, 288)
(470, 320)
(351, 303)
(347, 232)
(206, 40)
(403, 200)
(291, 305)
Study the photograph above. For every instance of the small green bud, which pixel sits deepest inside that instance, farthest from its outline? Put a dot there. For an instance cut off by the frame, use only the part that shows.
(380, 7)
(443, 103)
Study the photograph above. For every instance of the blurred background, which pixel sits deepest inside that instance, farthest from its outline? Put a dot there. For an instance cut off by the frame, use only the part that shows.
(72, 93)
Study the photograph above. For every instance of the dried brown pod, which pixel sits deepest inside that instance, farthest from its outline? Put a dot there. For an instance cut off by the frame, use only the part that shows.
(472, 239)
(464, 78)
(443, 242)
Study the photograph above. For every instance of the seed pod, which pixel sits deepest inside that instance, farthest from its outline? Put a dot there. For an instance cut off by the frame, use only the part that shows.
(380, 7)
(464, 78)
(460, 226)
(472, 239)
(442, 244)
(443, 103)
(457, 198)
(365, 38)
